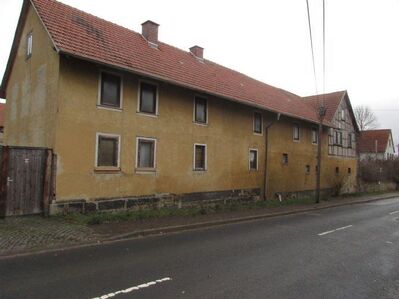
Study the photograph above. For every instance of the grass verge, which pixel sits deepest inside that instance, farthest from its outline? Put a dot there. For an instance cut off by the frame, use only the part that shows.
(131, 215)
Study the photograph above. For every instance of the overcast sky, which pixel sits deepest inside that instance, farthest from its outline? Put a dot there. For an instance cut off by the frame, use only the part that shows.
(269, 40)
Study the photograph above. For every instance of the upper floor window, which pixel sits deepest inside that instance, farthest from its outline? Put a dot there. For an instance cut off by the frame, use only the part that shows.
(110, 90)
(296, 133)
(146, 148)
(148, 98)
(257, 125)
(342, 114)
(314, 136)
(200, 162)
(253, 159)
(107, 149)
(29, 44)
(338, 138)
(200, 110)
(349, 140)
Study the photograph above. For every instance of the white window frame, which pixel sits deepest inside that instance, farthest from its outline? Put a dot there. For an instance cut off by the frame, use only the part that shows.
(98, 134)
(207, 110)
(156, 98)
(29, 45)
(299, 132)
(206, 157)
(146, 169)
(342, 114)
(249, 159)
(101, 106)
(261, 123)
(314, 129)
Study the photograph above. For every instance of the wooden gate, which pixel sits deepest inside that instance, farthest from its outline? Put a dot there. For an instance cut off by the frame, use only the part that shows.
(25, 180)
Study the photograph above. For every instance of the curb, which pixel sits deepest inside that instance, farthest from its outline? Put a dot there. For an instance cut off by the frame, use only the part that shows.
(180, 228)
(177, 228)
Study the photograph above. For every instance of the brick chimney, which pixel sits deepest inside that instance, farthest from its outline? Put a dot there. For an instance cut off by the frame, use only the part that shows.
(149, 30)
(197, 51)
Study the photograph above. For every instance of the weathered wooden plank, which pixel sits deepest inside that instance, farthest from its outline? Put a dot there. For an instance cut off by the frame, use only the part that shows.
(3, 181)
(47, 182)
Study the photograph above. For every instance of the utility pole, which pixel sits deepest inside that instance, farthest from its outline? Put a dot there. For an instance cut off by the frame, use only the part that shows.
(322, 113)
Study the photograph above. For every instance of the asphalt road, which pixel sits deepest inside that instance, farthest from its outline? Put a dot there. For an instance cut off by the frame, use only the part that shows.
(345, 252)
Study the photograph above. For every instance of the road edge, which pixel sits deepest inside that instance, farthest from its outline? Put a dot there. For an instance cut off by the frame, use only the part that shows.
(187, 227)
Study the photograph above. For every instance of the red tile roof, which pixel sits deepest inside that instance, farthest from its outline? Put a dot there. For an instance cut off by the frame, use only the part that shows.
(85, 36)
(2, 116)
(367, 140)
(88, 37)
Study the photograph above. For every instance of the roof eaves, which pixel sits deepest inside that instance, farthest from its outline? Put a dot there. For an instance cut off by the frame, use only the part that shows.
(161, 78)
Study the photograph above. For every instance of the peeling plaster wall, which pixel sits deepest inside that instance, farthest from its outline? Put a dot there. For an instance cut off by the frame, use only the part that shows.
(32, 90)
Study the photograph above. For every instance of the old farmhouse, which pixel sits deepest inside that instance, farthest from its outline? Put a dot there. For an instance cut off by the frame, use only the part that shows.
(132, 119)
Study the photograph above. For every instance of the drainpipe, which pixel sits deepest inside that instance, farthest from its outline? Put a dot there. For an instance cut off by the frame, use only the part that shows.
(266, 174)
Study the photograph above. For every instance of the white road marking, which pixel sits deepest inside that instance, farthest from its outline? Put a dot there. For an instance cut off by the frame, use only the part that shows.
(135, 288)
(393, 212)
(334, 230)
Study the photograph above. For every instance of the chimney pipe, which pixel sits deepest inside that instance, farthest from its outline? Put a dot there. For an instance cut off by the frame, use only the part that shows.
(197, 51)
(149, 30)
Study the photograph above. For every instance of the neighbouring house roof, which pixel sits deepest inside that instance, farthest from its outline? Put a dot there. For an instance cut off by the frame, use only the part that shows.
(367, 140)
(84, 36)
(2, 116)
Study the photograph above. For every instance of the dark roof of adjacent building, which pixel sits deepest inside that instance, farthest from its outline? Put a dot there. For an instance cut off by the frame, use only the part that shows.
(84, 36)
(372, 140)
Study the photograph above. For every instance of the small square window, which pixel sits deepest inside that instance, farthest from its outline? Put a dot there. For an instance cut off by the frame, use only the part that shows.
(29, 45)
(200, 157)
(315, 136)
(307, 169)
(146, 153)
(148, 98)
(253, 159)
(107, 150)
(110, 93)
(257, 125)
(349, 170)
(336, 170)
(285, 159)
(296, 133)
(200, 110)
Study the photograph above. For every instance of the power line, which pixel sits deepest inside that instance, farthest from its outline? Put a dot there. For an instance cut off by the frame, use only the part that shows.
(311, 46)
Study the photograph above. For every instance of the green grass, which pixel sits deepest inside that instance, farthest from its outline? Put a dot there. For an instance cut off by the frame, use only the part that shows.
(119, 216)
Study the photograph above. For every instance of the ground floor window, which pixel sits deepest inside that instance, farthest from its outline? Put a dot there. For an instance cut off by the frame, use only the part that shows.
(107, 149)
(145, 153)
(253, 159)
(200, 162)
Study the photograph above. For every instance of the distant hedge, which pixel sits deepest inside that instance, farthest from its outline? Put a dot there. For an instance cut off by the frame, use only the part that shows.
(371, 171)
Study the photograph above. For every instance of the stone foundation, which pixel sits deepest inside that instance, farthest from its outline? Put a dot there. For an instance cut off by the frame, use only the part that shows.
(156, 201)
(324, 193)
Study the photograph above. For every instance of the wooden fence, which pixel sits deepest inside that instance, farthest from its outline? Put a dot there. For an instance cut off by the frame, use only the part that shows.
(26, 180)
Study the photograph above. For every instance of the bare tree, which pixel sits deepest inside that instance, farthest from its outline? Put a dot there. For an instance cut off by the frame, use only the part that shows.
(366, 119)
